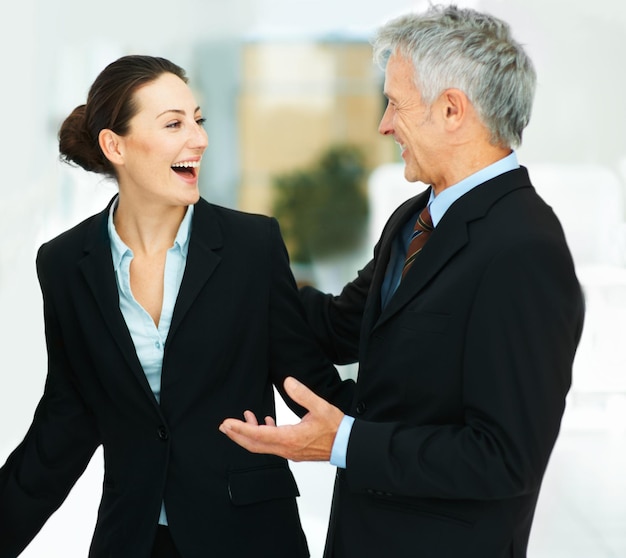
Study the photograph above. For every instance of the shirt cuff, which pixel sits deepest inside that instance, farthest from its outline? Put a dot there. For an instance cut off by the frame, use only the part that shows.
(340, 445)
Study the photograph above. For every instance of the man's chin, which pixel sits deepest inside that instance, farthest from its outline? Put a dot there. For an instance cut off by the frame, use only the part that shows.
(410, 176)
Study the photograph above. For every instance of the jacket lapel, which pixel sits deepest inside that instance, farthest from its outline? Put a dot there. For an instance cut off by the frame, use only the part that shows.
(449, 237)
(97, 268)
(435, 254)
(382, 254)
(206, 236)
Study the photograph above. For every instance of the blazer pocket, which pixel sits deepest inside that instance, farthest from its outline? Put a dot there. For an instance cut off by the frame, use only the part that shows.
(250, 486)
(424, 511)
(424, 321)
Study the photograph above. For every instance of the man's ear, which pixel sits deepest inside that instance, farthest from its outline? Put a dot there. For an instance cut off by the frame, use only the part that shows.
(111, 146)
(455, 106)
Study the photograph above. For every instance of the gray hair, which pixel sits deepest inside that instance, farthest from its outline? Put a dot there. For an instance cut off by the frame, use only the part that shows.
(464, 49)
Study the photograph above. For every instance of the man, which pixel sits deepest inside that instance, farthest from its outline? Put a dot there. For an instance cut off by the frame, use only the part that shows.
(465, 349)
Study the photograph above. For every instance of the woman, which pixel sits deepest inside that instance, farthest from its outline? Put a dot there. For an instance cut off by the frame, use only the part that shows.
(163, 315)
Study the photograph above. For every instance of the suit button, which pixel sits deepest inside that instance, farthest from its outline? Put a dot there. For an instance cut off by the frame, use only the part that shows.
(162, 433)
(361, 407)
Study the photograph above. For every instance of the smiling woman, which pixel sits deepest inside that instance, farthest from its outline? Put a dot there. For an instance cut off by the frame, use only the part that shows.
(157, 328)
(152, 144)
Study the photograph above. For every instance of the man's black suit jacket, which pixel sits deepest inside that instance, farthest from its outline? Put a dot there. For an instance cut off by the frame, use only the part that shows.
(462, 379)
(238, 327)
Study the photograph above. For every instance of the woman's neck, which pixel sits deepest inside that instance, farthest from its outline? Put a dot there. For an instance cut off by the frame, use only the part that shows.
(149, 229)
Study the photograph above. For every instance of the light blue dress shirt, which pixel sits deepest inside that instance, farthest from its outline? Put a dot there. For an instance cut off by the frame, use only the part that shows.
(148, 338)
(438, 205)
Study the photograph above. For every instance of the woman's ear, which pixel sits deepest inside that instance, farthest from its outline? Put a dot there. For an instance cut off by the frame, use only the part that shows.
(111, 146)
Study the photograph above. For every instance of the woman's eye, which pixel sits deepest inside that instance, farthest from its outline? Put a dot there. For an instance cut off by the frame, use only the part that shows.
(200, 121)
(173, 124)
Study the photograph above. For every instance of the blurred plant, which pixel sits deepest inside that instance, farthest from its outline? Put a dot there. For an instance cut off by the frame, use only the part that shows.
(323, 209)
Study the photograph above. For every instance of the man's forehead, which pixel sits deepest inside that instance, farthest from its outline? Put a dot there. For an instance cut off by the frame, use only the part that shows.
(399, 72)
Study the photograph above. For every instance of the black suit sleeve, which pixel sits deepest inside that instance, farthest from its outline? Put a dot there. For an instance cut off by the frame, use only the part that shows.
(40, 472)
(293, 350)
(336, 320)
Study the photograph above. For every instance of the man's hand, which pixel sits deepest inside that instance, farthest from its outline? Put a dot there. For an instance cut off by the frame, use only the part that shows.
(309, 440)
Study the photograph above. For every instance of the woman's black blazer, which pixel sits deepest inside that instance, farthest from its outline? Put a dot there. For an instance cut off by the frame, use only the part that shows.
(238, 328)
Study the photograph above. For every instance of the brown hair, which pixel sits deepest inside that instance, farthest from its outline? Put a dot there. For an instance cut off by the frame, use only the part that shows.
(110, 105)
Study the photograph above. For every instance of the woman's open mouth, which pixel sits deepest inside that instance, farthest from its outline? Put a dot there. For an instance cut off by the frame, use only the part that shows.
(187, 169)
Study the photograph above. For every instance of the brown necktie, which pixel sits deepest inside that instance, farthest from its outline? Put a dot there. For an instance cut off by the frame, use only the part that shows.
(421, 232)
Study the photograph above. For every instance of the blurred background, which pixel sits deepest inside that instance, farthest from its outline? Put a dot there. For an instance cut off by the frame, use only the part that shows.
(292, 101)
